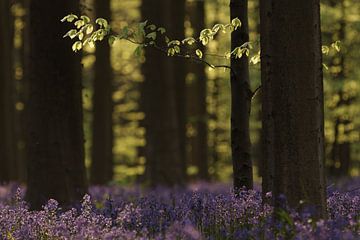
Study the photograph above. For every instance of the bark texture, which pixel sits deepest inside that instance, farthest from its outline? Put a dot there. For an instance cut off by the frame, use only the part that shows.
(267, 134)
(240, 100)
(297, 102)
(55, 141)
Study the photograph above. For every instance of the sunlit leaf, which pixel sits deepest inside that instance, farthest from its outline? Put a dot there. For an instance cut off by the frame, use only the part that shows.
(69, 18)
(77, 46)
(102, 22)
(151, 35)
(199, 53)
(236, 23)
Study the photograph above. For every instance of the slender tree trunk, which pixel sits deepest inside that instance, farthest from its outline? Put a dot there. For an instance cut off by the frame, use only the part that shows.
(175, 21)
(102, 143)
(297, 102)
(55, 141)
(341, 152)
(240, 101)
(197, 92)
(267, 134)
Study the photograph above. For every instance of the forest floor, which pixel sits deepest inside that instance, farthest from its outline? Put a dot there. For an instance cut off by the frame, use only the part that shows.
(201, 211)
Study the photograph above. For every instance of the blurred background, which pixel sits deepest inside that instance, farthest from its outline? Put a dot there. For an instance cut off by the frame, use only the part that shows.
(149, 111)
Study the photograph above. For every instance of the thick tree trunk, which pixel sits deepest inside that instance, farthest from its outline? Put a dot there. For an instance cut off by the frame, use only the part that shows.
(102, 138)
(267, 134)
(163, 119)
(55, 141)
(240, 101)
(297, 102)
(197, 92)
(8, 163)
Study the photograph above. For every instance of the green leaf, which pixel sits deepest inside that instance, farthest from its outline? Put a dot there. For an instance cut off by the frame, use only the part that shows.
(199, 53)
(111, 40)
(81, 36)
(189, 40)
(152, 27)
(79, 23)
(177, 49)
(205, 36)
(236, 23)
(89, 29)
(86, 19)
(72, 33)
(102, 22)
(325, 50)
(77, 46)
(138, 51)
(171, 52)
(174, 42)
(161, 30)
(256, 59)
(143, 24)
(218, 27)
(151, 35)
(325, 66)
(69, 18)
(336, 46)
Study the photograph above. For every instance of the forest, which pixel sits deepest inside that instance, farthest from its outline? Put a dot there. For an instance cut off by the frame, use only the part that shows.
(179, 119)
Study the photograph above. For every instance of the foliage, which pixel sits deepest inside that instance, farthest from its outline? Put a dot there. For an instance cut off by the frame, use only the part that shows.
(146, 34)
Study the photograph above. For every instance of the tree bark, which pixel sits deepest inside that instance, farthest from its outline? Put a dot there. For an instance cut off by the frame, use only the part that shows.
(102, 138)
(7, 96)
(240, 101)
(55, 141)
(267, 134)
(297, 102)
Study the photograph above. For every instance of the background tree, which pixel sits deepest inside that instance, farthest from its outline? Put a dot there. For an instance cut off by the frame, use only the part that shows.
(55, 134)
(102, 137)
(196, 98)
(297, 110)
(267, 131)
(7, 141)
(161, 92)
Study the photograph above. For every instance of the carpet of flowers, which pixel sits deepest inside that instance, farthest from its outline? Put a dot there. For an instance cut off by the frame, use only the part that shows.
(203, 211)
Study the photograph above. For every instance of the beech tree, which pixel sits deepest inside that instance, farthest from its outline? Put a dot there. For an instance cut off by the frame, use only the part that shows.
(102, 137)
(54, 114)
(240, 100)
(293, 83)
(196, 98)
(7, 141)
(161, 92)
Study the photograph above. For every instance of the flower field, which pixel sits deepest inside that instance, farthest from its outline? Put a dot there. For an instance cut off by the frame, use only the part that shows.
(201, 211)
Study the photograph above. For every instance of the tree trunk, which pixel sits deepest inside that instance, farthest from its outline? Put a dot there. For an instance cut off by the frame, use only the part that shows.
(341, 154)
(297, 102)
(7, 101)
(55, 141)
(163, 123)
(267, 134)
(5, 79)
(240, 101)
(197, 92)
(102, 138)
